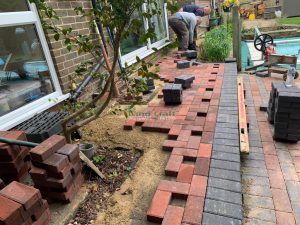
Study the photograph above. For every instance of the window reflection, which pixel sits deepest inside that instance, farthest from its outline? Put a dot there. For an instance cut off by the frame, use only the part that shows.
(132, 42)
(24, 73)
(13, 5)
(158, 22)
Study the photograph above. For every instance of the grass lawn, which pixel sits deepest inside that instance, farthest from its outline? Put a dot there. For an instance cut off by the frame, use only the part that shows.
(293, 20)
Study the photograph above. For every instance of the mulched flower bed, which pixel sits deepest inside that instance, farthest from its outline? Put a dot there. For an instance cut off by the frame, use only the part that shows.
(116, 164)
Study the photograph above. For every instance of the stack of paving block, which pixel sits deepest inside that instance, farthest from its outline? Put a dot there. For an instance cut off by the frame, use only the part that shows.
(149, 83)
(283, 111)
(56, 169)
(185, 80)
(23, 205)
(172, 93)
(14, 159)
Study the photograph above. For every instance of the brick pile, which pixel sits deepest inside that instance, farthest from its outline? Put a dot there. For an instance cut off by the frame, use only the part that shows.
(23, 205)
(56, 169)
(283, 111)
(14, 159)
(205, 114)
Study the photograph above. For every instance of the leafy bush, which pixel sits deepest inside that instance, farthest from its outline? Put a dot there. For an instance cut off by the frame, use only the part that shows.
(217, 44)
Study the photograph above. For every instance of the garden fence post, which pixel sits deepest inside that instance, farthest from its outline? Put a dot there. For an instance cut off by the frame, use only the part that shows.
(236, 36)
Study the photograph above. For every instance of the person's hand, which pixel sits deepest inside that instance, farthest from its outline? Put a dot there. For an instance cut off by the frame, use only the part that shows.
(181, 9)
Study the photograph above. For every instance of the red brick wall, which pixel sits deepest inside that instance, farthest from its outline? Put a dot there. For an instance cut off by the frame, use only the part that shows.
(66, 62)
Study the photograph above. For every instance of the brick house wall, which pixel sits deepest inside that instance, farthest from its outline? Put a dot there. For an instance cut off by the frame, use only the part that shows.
(66, 62)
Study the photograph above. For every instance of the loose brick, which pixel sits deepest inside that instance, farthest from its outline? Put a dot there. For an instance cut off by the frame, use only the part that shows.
(10, 212)
(185, 173)
(56, 162)
(158, 207)
(47, 148)
(21, 193)
(173, 215)
(72, 151)
(198, 186)
(180, 190)
(44, 219)
(37, 173)
(204, 150)
(193, 210)
(202, 166)
(173, 165)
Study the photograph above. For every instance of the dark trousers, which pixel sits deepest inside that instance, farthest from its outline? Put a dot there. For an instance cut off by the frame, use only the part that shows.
(181, 30)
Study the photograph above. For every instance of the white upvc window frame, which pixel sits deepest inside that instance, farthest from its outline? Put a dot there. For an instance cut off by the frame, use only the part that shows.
(147, 50)
(25, 112)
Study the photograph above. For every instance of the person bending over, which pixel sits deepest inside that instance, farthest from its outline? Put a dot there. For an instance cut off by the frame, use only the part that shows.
(184, 24)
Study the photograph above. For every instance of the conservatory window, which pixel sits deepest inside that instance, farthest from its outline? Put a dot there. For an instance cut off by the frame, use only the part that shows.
(27, 75)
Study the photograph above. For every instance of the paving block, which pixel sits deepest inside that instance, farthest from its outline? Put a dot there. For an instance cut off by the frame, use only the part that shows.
(233, 186)
(47, 148)
(10, 212)
(224, 195)
(185, 173)
(225, 156)
(191, 54)
(227, 142)
(70, 150)
(228, 149)
(21, 193)
(224, 209)
(173, 165)
(221, 164)
(212, 219)
(179, 190)
(159, 205)
(205, 150)
(183, 64)
(225, 174)
(173, 215)
(202, 166)
(55, 163)
(198, 186)
(188, 154)
(193, 210)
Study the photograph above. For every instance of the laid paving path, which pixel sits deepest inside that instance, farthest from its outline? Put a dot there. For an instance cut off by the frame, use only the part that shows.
(205, 168)
(204, 164)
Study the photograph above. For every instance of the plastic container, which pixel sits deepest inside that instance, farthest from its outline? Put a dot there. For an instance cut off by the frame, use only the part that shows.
(290, 77)
(87, 149)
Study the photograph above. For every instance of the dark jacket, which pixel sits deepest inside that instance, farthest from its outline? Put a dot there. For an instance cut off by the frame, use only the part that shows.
(197, 10)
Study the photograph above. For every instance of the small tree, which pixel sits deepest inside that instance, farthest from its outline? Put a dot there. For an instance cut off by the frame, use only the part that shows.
(117, 15)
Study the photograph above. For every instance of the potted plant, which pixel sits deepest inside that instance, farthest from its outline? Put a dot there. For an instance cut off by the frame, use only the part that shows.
(213, 19)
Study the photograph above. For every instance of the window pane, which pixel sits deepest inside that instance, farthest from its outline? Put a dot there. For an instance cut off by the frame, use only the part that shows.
(158, 22)
(132, 42)
(13, 5)
(24, 73)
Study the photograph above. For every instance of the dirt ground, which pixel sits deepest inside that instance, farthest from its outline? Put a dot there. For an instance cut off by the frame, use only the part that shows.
(129, 204)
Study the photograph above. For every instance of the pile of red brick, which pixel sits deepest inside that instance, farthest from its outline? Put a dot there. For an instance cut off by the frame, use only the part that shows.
(23, 205)
(14, 159)
(56, 169)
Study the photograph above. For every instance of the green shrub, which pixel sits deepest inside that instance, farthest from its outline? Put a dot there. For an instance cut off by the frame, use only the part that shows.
(217, 44)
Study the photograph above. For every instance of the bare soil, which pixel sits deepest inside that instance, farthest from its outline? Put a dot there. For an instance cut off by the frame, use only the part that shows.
(134, 164)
